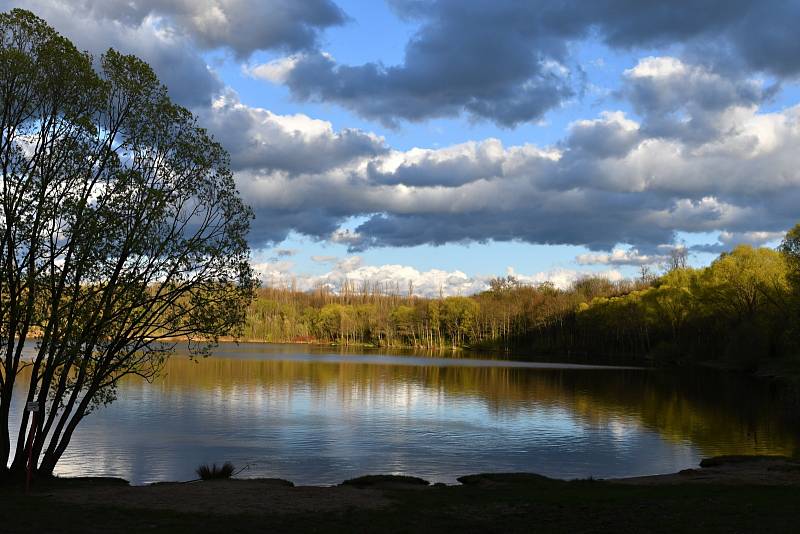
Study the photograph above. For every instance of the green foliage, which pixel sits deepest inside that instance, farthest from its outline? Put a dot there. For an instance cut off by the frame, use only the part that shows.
(738, 309)
(459, 316)
(380, 316)
(790, 248)
(731, 309)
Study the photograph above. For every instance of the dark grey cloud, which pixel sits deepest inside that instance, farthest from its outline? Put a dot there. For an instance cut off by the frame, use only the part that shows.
(598, 226)
(494, 61)
(608, 182)
(701, 158)
(678, 99)
(170, 34)
(174, 59)
(664, 85)
(765, 37)
(509, 62)
(751, 34)
(274, 224)
(601, 222)
(258, 139)
(242, 26)
(513, 96)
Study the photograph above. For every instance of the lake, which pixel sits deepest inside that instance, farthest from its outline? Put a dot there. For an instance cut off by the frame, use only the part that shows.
(318, 415)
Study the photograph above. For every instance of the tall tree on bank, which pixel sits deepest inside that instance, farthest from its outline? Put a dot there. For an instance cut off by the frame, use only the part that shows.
(790, 248)
(120, 228)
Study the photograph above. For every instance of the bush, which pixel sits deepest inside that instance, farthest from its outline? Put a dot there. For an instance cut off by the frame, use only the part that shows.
(205, 472)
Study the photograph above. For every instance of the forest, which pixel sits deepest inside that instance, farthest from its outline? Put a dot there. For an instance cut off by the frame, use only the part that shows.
(742, 308)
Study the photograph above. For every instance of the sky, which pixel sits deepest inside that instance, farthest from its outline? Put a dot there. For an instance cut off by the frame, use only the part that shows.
(444, 142)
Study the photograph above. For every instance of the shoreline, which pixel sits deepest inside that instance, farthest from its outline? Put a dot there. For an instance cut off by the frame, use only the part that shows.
(785, 371)
(743, 494)
(729, 469)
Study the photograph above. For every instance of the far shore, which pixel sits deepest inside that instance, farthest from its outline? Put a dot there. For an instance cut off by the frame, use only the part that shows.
(783, 371)
(786, 372)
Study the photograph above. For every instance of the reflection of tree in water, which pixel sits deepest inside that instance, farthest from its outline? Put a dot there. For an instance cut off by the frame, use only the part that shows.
(719, 413)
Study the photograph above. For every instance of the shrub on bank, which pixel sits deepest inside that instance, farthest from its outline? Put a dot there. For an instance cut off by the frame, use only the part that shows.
(213, 472)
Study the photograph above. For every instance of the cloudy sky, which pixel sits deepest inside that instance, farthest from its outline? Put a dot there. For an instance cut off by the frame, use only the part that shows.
(447, 141)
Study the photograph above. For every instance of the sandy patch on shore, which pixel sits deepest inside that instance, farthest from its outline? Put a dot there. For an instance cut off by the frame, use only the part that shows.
(736, 470)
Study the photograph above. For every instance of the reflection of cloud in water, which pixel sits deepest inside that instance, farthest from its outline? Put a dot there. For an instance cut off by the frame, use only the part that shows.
(321, 420)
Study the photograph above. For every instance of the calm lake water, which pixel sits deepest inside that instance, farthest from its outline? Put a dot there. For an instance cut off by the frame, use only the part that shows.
(317, 416)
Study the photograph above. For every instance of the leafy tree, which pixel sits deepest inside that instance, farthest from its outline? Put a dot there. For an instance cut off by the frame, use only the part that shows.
(745, 280)
(459, 314)
(120, 229)
(745, 288)
(330, 321)
(790, 249)
(403, 321)
(743, 307)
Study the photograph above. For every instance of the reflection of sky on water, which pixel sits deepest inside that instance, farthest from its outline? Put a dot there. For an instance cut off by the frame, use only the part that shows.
(314, 422)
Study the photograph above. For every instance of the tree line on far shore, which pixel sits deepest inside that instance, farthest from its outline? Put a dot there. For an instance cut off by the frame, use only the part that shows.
(743, 308)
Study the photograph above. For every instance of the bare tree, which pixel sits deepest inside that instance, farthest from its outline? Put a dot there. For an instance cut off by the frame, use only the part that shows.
(678, 259)
(503, 284)
(645, 274)
(121, 230)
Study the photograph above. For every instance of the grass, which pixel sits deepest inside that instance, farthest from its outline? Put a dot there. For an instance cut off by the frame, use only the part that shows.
(212, 472)
(486, 503)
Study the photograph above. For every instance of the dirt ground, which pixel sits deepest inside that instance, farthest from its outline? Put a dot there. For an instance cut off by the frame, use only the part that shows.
(736, 470)
(728, 494)
(224, 497)
(280, 496)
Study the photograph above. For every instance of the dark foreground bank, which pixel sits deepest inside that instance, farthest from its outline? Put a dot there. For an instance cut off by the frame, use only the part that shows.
(727, 495)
